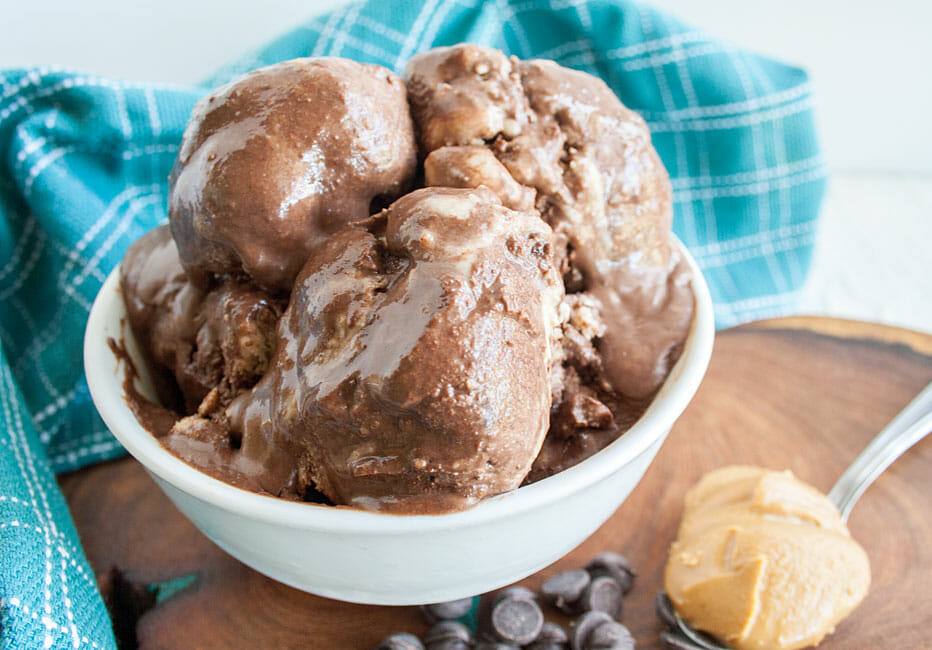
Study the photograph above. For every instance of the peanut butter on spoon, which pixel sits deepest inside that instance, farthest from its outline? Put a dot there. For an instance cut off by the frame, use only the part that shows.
(764, 561)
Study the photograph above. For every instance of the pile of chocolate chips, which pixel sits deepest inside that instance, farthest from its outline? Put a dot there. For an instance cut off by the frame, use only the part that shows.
(513, 618)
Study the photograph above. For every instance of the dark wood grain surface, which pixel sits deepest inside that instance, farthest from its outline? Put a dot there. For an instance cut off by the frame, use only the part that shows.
(805, 394)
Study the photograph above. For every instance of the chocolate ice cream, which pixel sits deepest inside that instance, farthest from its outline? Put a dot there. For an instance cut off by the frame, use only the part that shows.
(214, 342)
(413, 362)
(274, 162)
(598, 182)
(509, 319)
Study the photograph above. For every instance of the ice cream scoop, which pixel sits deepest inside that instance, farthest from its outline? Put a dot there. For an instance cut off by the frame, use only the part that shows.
(275, 161)
(597, 181)
(413, 362)
(214, 341)
(764, 561)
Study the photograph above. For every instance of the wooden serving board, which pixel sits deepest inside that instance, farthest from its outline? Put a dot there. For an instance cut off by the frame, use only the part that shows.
(804, 394)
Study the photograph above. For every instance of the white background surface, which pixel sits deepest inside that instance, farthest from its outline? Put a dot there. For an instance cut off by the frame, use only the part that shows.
(869, 63)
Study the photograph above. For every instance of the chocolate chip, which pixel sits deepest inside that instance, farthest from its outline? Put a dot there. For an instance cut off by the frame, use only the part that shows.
(496, 645)
(447, 611)
(564, 590)
(584, 626)
(126, 601)
(614, 565)
(401, 641)
(546, 645)
(516, 592)
(610, 635)
(551, 631)
(516, 619)
(448, 635)
(664, 609)
(552, 637)
(673, 641)
(603, 594)
(449, 644)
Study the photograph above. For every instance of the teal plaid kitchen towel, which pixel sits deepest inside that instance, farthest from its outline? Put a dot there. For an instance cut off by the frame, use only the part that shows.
(83, 168)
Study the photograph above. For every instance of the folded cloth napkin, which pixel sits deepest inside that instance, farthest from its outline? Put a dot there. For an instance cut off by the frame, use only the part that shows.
(83, 167)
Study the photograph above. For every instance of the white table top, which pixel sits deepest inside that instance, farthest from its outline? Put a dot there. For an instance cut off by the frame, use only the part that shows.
(872, 259)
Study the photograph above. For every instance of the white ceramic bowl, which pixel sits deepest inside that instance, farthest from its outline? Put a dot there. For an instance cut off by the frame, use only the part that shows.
(368, 557)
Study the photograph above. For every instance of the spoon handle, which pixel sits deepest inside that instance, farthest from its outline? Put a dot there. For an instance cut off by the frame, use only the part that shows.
(910, 426)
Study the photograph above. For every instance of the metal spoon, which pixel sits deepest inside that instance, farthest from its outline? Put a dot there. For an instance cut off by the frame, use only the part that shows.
(911, 425)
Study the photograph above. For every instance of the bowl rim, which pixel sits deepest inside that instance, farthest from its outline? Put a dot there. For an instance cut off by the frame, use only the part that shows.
(105, 371)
